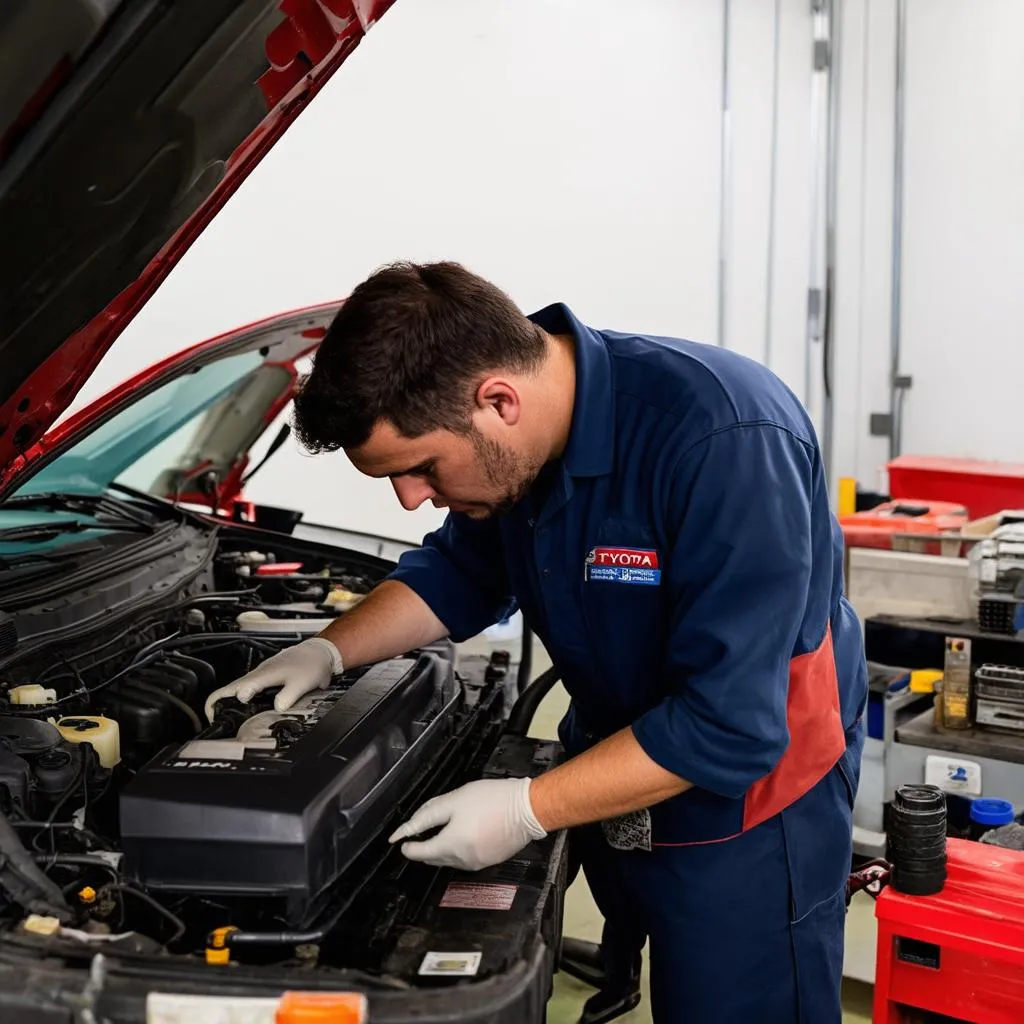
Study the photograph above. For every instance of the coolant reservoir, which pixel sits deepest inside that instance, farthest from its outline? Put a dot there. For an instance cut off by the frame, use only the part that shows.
(343, 600)
(261, 623)
(102, 733)
(251, 618)
(31, 693)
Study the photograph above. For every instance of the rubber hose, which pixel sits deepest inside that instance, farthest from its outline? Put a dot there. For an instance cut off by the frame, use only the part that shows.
(171, 699)
(25, 881)
(521, 717)
(525, 660)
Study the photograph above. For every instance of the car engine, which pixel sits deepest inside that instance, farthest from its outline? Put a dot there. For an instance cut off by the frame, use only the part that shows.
(128, 816)
(285, 802)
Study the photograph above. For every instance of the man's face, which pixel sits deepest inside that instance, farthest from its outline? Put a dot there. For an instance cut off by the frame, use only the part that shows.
(470, 473)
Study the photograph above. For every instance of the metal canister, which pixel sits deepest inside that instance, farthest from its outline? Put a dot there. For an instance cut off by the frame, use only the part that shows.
(956, 684)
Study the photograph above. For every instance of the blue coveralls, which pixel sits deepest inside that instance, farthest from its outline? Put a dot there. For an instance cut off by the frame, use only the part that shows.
(684, 571)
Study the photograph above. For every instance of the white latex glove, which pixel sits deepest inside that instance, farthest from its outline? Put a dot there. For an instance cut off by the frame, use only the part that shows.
(297, 670)
(485, 823)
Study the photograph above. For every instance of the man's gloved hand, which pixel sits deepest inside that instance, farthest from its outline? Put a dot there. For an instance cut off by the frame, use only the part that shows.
(297, 670)
(483, 822)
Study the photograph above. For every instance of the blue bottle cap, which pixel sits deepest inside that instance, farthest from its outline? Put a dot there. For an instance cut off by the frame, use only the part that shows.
(991, 813)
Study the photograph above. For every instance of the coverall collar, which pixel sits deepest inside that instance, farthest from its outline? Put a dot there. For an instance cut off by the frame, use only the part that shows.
(591, 447)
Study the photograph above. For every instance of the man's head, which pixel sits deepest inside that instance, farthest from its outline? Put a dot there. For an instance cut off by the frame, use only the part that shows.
(431, 376)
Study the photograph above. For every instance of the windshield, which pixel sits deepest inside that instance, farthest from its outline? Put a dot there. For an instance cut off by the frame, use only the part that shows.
(133, 447)
(145, 436)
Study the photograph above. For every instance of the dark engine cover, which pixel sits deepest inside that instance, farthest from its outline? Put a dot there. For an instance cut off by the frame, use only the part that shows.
(282, 809)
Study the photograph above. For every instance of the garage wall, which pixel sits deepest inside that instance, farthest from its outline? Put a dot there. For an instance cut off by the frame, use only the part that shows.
(963, 230)
(563, 149)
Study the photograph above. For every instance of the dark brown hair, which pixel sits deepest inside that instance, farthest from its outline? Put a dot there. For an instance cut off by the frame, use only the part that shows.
(410, 346)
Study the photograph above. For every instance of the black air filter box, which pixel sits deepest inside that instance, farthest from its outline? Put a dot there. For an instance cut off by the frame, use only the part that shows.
(282, 808)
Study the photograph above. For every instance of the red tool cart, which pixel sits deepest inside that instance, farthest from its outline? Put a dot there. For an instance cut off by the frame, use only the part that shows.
(957, 955)
(984, 487)
(893, 526)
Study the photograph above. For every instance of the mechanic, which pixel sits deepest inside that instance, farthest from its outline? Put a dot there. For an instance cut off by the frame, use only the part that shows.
(659, 511)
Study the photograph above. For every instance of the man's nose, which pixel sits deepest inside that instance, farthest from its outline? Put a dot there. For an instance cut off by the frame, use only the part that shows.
(412, 492)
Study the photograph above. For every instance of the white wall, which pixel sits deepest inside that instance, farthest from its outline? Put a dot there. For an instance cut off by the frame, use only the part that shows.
(560, 147)
(768, 244)
(864, 235)
(963, 277)
(963, 230)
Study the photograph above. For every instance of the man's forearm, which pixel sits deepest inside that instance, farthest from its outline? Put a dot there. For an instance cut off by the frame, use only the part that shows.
(390, 621)
(613, 778)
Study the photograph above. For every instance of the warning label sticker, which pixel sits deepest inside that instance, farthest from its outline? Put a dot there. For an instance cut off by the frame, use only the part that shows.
(442, 965)
(479, 896)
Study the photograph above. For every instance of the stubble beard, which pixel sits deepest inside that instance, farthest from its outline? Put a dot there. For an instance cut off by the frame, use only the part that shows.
(504, 469)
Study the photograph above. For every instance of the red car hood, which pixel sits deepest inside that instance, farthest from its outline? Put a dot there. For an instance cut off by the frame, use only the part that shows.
(124, 127)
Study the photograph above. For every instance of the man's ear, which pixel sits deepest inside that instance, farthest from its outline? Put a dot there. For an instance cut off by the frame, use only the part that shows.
(499, 396)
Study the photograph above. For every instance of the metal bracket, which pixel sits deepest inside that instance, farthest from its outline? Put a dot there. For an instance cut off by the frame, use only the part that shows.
(880, 424)
(822, 55)
(815, 308)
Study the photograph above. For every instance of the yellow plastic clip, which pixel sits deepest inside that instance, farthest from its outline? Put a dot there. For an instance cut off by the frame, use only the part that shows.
(218, 952)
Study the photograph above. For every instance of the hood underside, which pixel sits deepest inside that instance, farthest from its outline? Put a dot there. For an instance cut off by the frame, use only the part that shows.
(124, 127)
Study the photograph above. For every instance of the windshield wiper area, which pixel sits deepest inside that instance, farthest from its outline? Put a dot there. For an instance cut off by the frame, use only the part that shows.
(105, 512)
(86, 504)
(44, 531)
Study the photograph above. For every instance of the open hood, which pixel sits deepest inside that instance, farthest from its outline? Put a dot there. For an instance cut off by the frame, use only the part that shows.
(124, 127)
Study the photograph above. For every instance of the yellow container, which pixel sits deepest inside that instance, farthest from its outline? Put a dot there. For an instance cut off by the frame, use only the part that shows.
(102, 734)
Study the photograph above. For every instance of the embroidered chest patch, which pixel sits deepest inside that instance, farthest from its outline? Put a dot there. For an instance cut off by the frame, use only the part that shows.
(623, 565)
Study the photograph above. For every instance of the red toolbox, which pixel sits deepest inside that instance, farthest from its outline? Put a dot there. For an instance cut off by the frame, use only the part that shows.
(984, 487)
(893, 525)
(959, 953)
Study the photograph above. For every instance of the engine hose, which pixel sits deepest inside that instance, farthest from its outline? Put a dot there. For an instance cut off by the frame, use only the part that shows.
(179, 640)
(193, 718)
(77, 860)
(23, 879)
(525, 660)
(521, 716)
(128, 890)
(236, 938)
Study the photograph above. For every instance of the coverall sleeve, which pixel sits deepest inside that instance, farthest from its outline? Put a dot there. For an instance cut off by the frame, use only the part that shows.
(740, 570)
(459, 571)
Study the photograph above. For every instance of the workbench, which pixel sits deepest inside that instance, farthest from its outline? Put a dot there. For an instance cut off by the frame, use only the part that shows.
(920, 643)
(999, 755)
(899, 750)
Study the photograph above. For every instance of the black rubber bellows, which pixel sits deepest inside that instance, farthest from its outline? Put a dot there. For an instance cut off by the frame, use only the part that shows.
(917, 840)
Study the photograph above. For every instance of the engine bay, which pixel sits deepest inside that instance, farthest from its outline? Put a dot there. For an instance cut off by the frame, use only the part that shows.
(131, 823)
(287, 800)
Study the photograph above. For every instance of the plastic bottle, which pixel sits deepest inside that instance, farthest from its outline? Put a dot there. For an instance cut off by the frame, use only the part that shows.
(988, 814)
